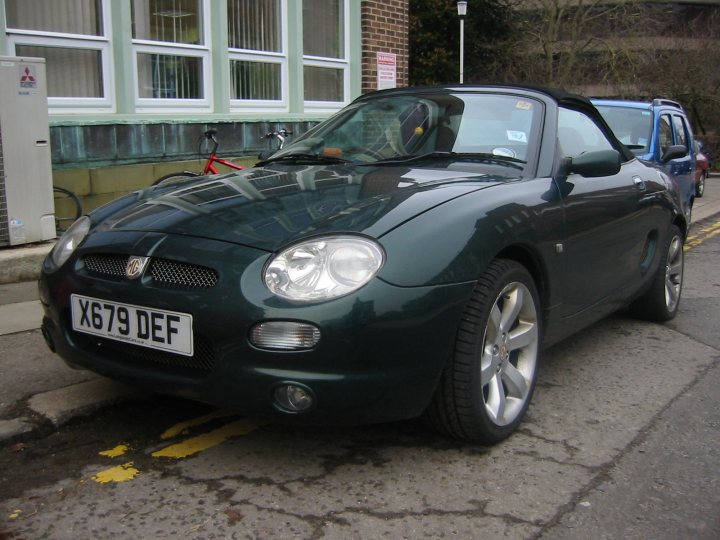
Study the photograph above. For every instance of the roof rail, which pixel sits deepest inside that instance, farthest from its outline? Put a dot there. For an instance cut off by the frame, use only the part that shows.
(665, 101)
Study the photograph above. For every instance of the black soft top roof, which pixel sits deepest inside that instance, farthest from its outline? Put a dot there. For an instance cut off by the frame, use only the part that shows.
(560, 96)
(557, 94)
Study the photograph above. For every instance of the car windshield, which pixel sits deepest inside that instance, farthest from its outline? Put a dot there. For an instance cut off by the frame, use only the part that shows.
(631, 126)
(499, 129)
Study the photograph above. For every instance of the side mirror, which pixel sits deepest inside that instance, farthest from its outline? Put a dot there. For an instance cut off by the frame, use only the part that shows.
(674, 152)
(595, 164)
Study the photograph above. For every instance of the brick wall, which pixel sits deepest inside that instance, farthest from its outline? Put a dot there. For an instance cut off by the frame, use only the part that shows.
(384, 29)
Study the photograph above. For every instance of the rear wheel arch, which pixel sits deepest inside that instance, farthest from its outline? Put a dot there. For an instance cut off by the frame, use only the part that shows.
(660, 302)
(681, 224)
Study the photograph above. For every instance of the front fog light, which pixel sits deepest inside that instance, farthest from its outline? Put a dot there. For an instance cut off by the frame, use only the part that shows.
(284, 336)
(293, 398)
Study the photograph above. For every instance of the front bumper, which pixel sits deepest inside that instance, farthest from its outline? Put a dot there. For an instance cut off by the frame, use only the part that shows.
(380, 355)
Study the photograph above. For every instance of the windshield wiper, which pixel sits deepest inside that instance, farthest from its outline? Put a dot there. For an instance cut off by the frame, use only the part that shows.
(502, 160)
(313, 158)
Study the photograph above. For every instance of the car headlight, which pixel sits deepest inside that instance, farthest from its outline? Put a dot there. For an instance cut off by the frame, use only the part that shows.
(70, 240)
(323, 268)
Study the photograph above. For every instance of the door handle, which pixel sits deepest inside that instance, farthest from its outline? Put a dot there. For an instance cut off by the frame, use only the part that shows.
(639, 183)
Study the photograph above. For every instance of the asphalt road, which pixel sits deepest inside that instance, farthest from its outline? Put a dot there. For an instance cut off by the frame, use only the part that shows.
(621, 441)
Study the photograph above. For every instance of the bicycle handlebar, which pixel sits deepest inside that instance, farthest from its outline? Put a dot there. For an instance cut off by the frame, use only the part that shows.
(210, 135)
(280, 133)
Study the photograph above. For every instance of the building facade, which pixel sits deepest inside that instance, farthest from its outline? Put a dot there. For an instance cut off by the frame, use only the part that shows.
(135, 82)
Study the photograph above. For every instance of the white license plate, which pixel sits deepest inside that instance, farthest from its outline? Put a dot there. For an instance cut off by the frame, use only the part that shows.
(155, 328)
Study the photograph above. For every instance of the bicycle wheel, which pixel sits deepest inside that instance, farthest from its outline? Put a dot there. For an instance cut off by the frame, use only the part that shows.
(174, 178)
(68, 208)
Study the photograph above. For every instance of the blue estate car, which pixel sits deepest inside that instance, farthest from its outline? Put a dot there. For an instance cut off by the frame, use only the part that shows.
(658, 132)
(412, 255)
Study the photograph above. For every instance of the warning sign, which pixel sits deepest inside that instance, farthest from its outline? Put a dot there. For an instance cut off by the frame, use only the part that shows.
(386, 70)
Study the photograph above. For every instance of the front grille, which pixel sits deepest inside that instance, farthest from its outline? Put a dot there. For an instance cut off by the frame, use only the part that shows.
(199, 364)
(172, 273)
(106, 265)
(164, 272)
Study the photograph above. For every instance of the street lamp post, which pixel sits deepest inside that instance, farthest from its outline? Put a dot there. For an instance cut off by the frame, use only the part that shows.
(462, 11)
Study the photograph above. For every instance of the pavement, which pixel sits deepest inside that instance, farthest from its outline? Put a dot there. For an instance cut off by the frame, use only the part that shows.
(23, 263)
(44, 393)
(47, 393)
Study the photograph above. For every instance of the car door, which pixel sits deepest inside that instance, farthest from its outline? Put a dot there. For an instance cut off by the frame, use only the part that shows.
(605, 220)
(682, 169)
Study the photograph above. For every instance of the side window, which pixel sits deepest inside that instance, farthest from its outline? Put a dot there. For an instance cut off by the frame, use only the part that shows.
(680, 131)
(577, 134)
(665, 137)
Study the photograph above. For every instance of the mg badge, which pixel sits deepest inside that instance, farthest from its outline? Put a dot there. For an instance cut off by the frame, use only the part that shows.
(135, 266)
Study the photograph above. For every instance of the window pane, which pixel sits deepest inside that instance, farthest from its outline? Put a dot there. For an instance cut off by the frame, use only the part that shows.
(680, 131)
(66, 16)
(70, 72)
(323, 84)
(577, 134)
(255, 80)
(632, 127)
(322, 28)
(172, 21)
(254, 25)
(164, 76)
(665, 137)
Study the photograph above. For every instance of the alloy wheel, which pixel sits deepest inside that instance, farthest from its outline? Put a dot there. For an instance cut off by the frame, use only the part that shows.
(509, 354)
(674, 273)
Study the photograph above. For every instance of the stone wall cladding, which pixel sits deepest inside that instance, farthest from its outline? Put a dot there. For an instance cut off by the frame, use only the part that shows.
(102, 145)
(385, 26)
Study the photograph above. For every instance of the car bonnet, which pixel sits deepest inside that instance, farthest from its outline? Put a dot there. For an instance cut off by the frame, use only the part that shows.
(269, 207)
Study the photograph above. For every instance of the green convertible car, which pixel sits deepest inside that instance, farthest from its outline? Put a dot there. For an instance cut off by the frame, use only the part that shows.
(409, 256)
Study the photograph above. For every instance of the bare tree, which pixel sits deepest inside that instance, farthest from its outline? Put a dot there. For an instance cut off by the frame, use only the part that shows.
(683, 65)
(573, 43)
(634, 49)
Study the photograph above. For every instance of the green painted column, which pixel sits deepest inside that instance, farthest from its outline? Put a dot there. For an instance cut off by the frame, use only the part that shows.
(219, 57)
(3, 27)
(295, 57)
(355, 46)
(122, 53)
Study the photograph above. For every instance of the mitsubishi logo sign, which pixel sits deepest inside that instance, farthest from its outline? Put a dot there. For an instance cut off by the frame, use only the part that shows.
(28, 78)
(135, 266)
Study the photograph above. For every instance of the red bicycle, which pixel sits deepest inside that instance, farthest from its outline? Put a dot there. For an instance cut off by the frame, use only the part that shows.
(210, 167)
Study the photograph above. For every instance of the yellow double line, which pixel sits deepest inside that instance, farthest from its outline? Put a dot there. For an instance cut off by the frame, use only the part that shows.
(702, 235)
(185, 448)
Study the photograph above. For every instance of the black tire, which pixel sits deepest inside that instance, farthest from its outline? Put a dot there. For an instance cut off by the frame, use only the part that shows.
(700, 186)
(486, 388)
(68, 208)
(175, 177)
(660, 303)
